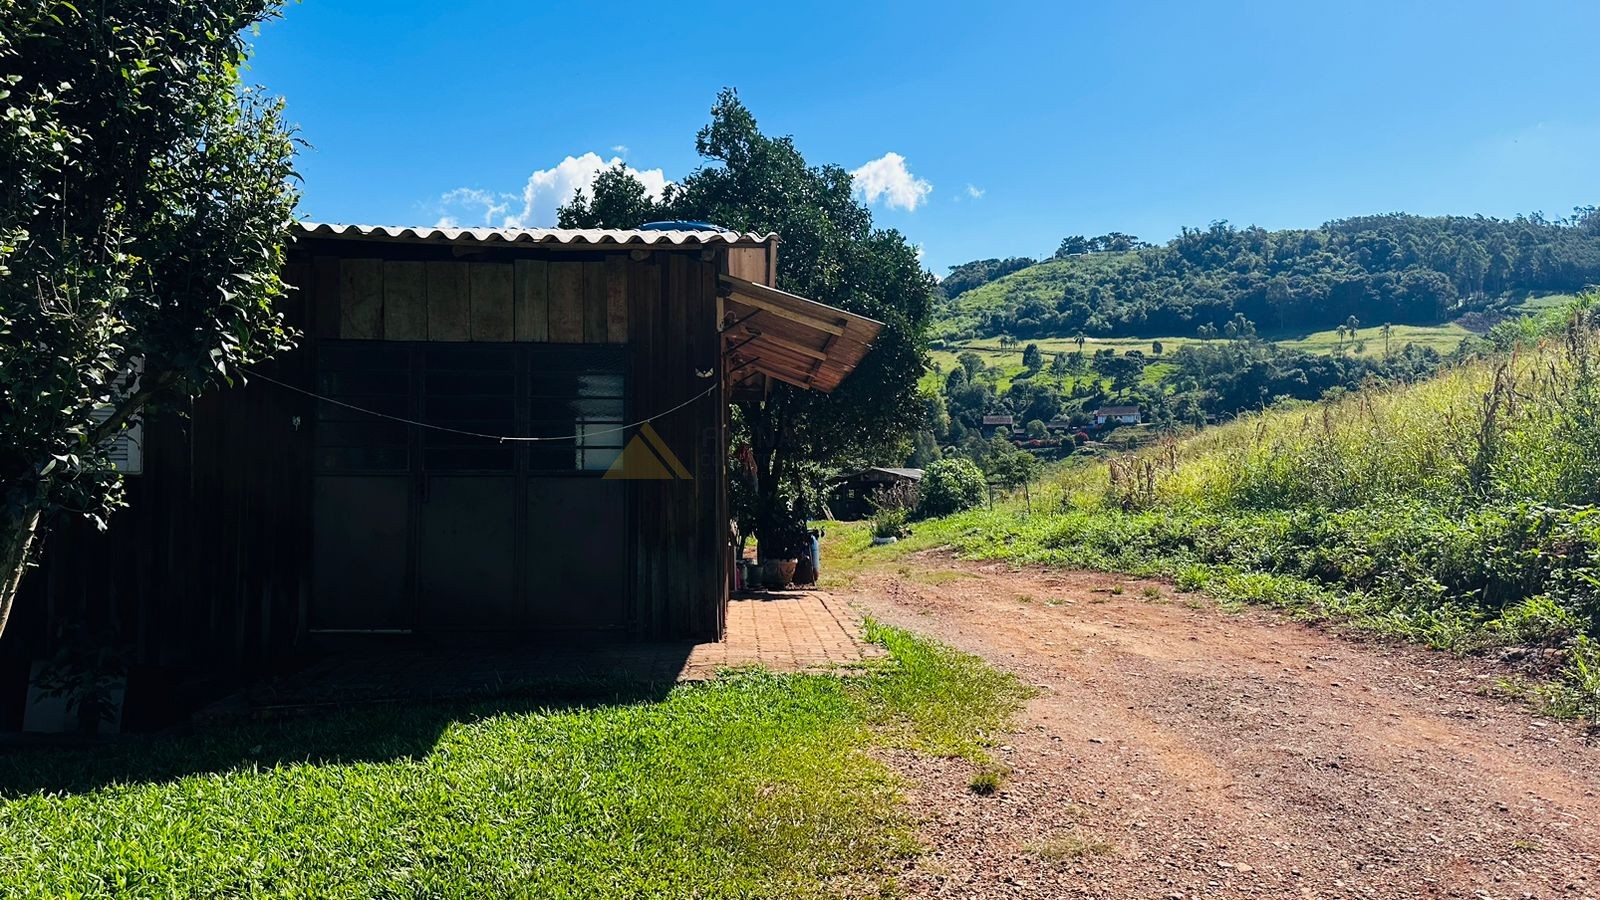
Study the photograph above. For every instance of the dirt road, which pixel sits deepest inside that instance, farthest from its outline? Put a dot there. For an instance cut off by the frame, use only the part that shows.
(1180, 750)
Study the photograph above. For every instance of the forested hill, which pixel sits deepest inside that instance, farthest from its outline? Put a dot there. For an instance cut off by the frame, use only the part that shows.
(1390, 268)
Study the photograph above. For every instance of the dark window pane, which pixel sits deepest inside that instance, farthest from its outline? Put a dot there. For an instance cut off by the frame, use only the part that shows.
(362, 355)
(341, 383)
(364, 405)
(481, 383)
(363, 459)
(443, 357)
(453, 409)
(371, 431)
(455, 459)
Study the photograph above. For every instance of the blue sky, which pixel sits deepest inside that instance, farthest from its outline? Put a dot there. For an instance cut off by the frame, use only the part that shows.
(1010, 125)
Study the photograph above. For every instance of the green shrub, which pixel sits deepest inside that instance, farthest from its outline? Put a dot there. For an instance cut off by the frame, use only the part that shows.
(950, 486)
(889, 522)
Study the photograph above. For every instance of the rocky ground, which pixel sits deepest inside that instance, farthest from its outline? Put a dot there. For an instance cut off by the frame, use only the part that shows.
(1179, 750)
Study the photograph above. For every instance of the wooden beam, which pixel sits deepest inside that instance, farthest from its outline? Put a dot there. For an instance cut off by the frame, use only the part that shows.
(796, 346)
(750, 300)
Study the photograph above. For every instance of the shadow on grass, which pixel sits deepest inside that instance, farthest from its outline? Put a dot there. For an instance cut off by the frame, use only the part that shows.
(382, 731)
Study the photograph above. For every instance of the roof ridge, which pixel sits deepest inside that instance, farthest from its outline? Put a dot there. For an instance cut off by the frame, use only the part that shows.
(564, 236)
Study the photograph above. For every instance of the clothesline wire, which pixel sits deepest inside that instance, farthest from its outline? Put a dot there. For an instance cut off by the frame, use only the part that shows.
(502, 438)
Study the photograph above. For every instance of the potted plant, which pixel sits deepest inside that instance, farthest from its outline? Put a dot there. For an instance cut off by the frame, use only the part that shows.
(785, 543)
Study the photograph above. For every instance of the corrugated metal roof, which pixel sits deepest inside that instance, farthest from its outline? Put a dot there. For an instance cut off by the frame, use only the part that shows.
(562, 236)
(903, 473)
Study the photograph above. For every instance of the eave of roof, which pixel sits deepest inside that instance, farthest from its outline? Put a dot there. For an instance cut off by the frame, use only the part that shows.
(558, 237)
(789, 338)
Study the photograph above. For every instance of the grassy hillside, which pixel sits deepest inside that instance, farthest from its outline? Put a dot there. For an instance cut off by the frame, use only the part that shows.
(1396, 268)
(1458, 511)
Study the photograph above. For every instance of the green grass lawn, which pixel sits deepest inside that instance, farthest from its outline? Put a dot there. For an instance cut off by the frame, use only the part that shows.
(752, 785)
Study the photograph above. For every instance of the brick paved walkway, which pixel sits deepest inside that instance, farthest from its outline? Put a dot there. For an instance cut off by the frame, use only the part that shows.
(786, 632)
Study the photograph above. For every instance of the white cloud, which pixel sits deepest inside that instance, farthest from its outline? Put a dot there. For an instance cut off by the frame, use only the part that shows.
(974, 191)
(546, 189)
(888, 179)
(621, 149)
(477, 205)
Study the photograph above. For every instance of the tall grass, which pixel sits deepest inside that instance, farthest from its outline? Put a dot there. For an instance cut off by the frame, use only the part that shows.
(1459, 511)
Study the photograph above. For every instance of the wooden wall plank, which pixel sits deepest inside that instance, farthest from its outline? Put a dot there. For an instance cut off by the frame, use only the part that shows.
(361, 299)
(618, 270)
(325, 297)
(594, 302)
(405, 301)
(566, 302)
(532, 304)
(449, 302)
(749, 263)
(491, 301)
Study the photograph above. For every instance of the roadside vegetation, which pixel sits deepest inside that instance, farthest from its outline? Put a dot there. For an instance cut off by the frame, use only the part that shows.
(1457, 511)
(752, 785)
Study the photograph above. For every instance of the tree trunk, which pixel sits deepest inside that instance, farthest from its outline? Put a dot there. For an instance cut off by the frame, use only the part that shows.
(17, 542)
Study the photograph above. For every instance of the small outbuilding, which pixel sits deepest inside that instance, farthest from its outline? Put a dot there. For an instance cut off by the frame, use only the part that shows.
(995, 423)
(482, 431)
(853, 496)
(1118, 415)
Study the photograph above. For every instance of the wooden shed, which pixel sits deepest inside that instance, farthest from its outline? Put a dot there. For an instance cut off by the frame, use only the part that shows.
(854, 496)
(482, 431)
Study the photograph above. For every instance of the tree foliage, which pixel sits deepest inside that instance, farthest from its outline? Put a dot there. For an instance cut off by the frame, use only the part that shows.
(980, 272)
(832, 253)
(950, 486)
(1396, 268)
(144, 202)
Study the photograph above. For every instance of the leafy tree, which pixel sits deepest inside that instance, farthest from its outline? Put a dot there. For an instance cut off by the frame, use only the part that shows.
(1072, 246)
(1007, 465)
(1037, 429)
(1060, 364)
(950, 486)
(832, 253)
(618, 197)
(971, 362)
(1032, 358)
(1157, 348)
(144, 202)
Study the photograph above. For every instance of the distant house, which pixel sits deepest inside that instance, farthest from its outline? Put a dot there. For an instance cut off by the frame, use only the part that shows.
(992, 424)
(852, 496)
(1117, 415)
(1059, 424)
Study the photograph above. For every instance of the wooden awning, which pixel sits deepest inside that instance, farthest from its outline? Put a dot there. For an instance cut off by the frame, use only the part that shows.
(768, 333)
